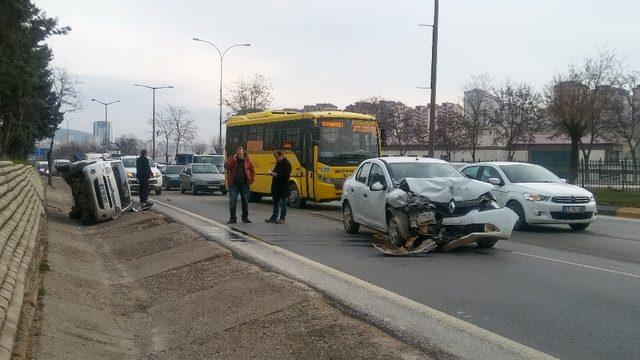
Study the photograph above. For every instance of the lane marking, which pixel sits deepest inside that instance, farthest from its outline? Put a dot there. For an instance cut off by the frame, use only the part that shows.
(470, 329)
(578, 264)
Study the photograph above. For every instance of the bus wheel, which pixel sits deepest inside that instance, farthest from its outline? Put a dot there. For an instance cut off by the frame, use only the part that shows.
(294, 200)
(255, 197)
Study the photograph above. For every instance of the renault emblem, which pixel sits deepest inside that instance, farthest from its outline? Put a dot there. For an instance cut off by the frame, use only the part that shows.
(452, 207)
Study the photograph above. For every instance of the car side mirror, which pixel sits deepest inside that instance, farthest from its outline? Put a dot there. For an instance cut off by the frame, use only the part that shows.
(377, 186)
(495, 181)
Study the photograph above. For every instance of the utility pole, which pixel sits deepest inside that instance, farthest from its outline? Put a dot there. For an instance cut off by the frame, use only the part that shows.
(153, 116)
(434, 67)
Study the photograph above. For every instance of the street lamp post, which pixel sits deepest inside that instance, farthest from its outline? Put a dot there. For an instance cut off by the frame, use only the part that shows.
(222, 54)
(434, 67)
(153, 121)
(106, 122)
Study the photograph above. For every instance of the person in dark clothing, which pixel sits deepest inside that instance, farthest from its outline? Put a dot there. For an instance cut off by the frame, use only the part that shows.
(240, 175)
(143, 173)
(281, 174)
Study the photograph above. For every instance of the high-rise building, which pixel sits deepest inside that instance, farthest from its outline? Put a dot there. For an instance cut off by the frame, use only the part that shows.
(100, 128)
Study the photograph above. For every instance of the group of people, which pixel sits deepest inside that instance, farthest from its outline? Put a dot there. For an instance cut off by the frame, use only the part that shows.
(240, 175)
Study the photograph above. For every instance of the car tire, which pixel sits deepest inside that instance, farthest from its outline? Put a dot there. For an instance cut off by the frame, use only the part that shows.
(159, 192)
(579, 226)
(350, 225)
(393, 232)
(517, 208)
(182, 189)
(486, 243)
(193, 190)
(293, 199)
(255, 197)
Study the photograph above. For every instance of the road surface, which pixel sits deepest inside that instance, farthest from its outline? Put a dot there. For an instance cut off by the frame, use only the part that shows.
(573, 295)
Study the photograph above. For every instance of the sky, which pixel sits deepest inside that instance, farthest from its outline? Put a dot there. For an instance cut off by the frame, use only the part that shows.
(336, 51)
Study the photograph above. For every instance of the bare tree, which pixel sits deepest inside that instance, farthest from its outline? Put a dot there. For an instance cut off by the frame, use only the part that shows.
(129, 145)
(623, 118)
(165, 128)
(451, 134)
(250, 95)
(516, 116)
(405, 128)
(67, 100)
(478, 103)
(184, 126)
(199, 147)
(384, 111)
(216, 145)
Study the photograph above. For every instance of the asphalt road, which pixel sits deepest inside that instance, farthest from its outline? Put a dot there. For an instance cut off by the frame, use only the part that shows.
(574, 295)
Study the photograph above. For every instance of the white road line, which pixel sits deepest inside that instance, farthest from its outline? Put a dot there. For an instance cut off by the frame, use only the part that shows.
(578, 264)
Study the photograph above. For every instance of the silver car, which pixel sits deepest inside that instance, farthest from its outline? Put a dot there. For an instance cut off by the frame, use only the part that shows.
(202, 178)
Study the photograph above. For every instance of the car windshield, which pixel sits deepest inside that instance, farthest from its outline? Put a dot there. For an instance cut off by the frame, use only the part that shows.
(131, 162)
(173, 170)
(347, 142)
(419, 170)
(527, 173)
(205, 169)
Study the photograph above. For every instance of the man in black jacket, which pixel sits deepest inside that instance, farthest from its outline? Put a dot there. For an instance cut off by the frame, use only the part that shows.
(143, 173)
(280, 188)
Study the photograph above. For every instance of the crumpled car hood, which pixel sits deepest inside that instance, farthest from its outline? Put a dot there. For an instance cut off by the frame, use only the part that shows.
(441, 190)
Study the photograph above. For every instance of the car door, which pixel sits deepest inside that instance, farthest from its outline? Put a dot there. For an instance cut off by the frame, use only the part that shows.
(375, 201)
(357, 190)
(500, 192)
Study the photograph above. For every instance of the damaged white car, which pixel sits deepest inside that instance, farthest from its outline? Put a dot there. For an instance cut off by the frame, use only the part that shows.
(422, 204)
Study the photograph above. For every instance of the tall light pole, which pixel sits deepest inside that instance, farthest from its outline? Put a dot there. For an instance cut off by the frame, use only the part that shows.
(434, 67)
(222, 54)
(106, 122)
(153, 118)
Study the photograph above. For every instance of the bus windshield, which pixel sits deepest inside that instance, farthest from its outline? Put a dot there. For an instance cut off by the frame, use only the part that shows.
(347, 142)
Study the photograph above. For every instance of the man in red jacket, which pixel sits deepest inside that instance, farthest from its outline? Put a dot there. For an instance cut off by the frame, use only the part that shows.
(240, 174)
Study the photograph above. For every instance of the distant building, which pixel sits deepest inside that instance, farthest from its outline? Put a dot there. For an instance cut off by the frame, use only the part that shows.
(102, 130)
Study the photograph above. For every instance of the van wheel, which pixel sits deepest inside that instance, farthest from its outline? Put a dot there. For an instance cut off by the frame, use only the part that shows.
(350, 226)
(294, 199)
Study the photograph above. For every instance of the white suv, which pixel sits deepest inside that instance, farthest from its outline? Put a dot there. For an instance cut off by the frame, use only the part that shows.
(536, 194)
(155, 182)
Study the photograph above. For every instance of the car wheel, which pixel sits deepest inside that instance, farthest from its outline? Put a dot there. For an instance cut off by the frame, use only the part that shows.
(193, 190)
(350, 226)
(159, 192)
(517, 208)
(579, 227)
(254, 196)
(294, 199)
(393, 231)
(486, 243)
(182, 190)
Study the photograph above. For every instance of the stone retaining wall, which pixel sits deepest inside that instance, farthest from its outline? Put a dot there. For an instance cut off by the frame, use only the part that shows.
(21, 210)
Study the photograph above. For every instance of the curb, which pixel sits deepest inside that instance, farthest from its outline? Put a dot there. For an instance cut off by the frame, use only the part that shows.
(437, 333)
(623, 212)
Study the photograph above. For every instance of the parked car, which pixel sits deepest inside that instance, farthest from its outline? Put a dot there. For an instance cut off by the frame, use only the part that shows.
(183, 159)
(202, 178)
(155, 182)
(99, 188)
(217, 160)
(57, 163)
(536, 194)
(171, 176)
(43, 167)
(422, 204)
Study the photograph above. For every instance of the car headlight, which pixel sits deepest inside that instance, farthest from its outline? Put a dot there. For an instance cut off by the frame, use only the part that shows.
(130, 175)
(592, 198)
(325, 179)
(535, 197)
(155, 173)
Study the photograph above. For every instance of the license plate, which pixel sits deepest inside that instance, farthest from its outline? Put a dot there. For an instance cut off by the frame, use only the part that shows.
(573, 209)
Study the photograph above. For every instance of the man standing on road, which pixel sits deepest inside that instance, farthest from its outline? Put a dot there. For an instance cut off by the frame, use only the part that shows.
(143, 173)
(240, 174)
(280, 188)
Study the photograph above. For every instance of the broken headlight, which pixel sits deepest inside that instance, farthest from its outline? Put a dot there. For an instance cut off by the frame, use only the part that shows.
(488, 202)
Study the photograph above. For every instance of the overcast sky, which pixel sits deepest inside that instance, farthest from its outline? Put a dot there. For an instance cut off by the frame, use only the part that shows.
(336, 51)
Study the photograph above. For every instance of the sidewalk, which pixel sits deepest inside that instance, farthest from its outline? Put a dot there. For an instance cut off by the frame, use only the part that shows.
(143, 287)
